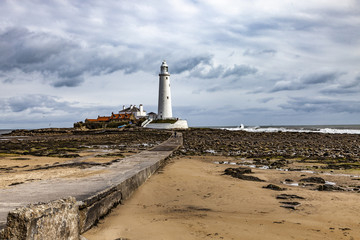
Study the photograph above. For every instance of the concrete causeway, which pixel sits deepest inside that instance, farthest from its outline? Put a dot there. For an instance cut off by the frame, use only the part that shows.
(94, 192)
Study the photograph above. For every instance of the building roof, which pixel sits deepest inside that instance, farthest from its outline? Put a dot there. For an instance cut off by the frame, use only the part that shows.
(103, 119)
(90, 120)
(120, 116)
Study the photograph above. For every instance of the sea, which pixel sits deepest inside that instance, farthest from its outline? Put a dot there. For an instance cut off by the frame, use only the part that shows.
(333, 129)
(5, 131)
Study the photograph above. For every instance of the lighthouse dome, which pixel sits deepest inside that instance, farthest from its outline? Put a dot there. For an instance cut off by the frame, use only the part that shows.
(164, 68)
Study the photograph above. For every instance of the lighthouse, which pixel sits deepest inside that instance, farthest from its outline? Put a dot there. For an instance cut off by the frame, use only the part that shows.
(164, 104)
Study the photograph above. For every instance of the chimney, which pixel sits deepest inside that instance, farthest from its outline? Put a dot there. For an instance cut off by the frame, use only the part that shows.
(131, 106)
(123, 107)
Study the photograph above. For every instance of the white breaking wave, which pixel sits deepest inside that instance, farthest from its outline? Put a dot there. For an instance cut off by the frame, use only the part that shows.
(283, 129)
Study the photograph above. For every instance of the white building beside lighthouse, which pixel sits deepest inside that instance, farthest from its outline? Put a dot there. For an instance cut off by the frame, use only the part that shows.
(165, 119)
(164, 104)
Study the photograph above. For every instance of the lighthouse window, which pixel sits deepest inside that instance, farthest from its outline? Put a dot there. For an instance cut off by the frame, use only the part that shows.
(166, 78)
(167, 97)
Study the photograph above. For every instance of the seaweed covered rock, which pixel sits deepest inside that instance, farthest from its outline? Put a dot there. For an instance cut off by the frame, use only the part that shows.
(240, 174)
(313, 180)
(328, 187)
(274, 187)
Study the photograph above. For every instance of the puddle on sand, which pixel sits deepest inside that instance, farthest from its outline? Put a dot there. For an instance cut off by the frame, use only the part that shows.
(291, 184)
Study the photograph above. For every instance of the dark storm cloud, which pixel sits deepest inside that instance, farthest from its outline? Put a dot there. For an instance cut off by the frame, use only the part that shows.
(329, 105)
(213, 72)
(265, 100)
(46, 104)
(34, 103)
(319, 78)
(41, 110)
(287, 86)
(187, 64)
(25, 50)
(306, 81)
(352, 87)
(239, 71)
(39, 52)
(62, 62)
(269, 24)
(229, 78)
(207, 70)
(221, 78)
(252, 52)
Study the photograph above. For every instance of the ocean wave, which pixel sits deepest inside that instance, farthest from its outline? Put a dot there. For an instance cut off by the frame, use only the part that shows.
(289, 129)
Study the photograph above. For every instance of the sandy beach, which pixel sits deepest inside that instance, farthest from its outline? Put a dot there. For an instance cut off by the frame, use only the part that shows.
(190, 198)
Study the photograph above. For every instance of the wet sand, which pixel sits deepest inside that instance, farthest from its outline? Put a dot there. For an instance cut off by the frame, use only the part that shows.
(190, 198)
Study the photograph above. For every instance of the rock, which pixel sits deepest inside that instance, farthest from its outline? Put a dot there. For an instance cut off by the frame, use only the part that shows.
(289, 206)
(288, 196)
(327, 187)
(249, 178)
(274, 187)
(313, 180)
(279, 163)
(240, 170)
(291, 203)
(261, 162)
(239, 173)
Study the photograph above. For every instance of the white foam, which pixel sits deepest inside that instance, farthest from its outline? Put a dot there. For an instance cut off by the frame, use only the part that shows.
(307, 171)
(330, 183)
(264, 167)
(282, 129)
(211, 151)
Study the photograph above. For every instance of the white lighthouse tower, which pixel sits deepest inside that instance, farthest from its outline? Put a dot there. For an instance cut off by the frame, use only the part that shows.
(164, 105)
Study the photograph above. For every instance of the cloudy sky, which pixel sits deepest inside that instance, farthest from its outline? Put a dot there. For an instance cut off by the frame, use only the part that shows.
(254, 62)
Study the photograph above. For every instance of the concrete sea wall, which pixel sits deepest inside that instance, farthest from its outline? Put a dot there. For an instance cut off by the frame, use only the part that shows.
(58, 219)
(93, 208)
(67, 218)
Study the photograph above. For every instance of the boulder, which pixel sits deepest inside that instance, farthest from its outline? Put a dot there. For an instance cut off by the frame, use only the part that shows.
(313, 180)
(274, 187)
(327, 187)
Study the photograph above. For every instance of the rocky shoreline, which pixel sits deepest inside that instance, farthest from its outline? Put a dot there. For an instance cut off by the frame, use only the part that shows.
(313, 152)
(317, 146)
(67, 143)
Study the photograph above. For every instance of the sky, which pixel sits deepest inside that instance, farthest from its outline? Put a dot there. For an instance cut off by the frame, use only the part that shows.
(260, 62)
